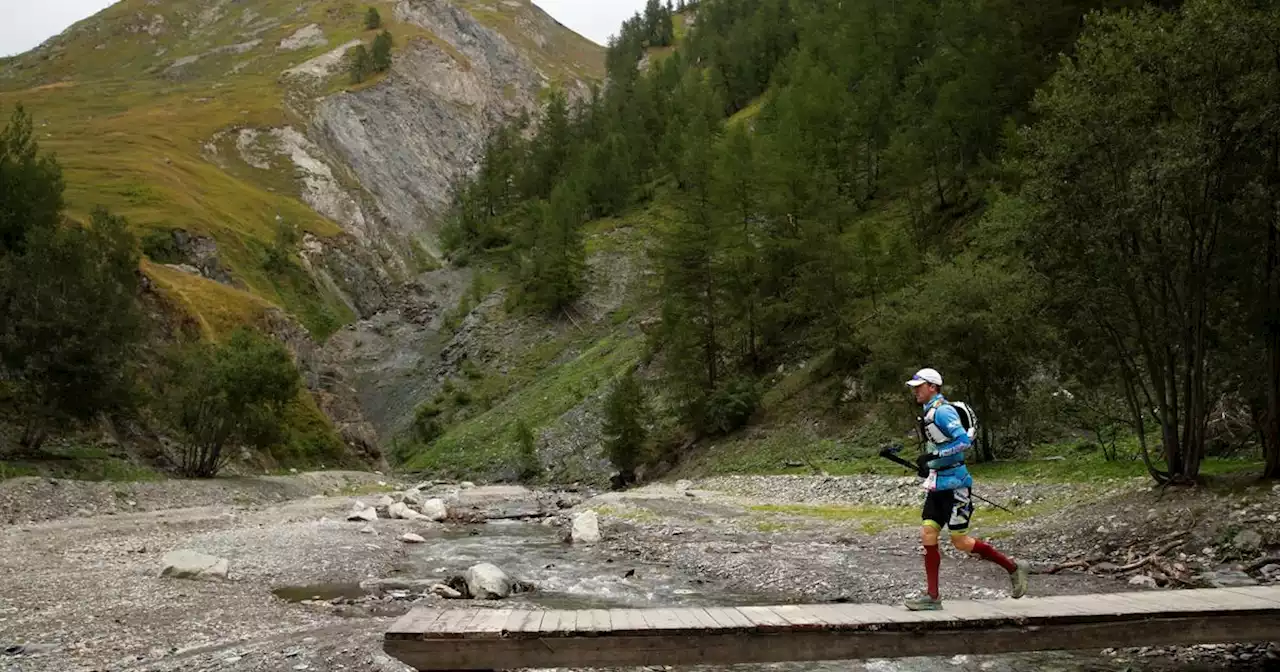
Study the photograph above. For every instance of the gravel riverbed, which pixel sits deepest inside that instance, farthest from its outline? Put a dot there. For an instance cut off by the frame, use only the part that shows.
(83, 592)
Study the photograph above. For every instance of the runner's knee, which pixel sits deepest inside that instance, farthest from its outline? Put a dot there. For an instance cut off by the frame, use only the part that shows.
(929, 534)
(963, 542)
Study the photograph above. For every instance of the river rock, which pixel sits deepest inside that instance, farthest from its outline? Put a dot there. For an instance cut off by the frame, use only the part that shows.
(435, 510)
(402, 511)
(368, 529)
(1143, 580)
(487, 582)
(1247, 541)
(1228, 579)
(361, 512)
(1271, 570)
(466, 485)
(411, 538)
(586, 528)
(193, 565)
(445, 592)
(414, 497)
(383, 505)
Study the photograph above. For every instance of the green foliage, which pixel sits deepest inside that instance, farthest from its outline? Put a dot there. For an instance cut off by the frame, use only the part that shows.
(1149, 242)
(159, 246)
(625, 413)
(235, 393)
(72, 323)
(530, 466)
(279, 255)
(31, 184)
(426, 423)
(557, 259)
(372, 19)
(976, 320)
(380, 58)
(359, 64)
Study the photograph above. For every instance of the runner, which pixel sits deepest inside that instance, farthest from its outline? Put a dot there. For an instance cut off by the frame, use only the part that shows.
(948, 502)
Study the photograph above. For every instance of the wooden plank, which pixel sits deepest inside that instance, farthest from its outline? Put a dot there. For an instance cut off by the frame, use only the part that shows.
(663, 620)
(416, 623)
(730, 619)
(454, 623)
(763, 619)
(530, 623)
(705, 620)
(600, 621)
(794, 615)
(625, 621)
(466, 639)
(556, 622)
(487, 625)
(802, 646)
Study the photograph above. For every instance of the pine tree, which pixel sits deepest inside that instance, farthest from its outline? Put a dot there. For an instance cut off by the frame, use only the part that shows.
(381, 58)
(557, 258)
(372, 19)
(31, 184)
(625, 434)
(360, 64)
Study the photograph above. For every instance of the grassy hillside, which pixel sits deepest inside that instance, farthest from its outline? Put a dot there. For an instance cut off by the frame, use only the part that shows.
(130, 99)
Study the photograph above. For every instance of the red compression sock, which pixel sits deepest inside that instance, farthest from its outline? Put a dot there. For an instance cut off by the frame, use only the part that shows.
(986, 552)
(932, 561)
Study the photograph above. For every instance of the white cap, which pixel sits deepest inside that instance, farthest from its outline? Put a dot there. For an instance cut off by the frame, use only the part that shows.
(926, 376)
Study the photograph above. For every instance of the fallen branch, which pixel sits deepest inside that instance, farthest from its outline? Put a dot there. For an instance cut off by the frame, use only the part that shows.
(1258, 564)
(1138, 564)
(1074, 564)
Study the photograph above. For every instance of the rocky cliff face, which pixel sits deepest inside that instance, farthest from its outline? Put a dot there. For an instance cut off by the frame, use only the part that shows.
(216, 126)
(410, 138)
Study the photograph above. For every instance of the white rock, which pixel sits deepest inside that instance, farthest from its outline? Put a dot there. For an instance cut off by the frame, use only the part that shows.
(1142, 580)
(361, 512)
(368, 529)
(193, 565)
(403, 512)
(586, 528)
(1248, 541)
(445, 592)
(414, 498)
(487, 582)
(310, 36)
(411, 538)
(435, 510)
(466, 485)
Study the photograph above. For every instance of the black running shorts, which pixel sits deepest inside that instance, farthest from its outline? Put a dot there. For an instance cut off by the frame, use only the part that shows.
(951, 509)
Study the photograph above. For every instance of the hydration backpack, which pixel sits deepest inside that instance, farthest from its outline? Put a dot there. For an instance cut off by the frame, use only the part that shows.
(968, 418)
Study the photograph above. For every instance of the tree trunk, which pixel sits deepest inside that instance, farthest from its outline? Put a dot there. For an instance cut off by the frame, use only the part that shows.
(1270, 416)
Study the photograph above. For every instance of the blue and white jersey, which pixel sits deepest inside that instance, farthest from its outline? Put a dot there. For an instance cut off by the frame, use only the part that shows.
(947, 437)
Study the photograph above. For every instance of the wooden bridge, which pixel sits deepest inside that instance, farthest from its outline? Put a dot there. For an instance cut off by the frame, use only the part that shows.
(498, 639)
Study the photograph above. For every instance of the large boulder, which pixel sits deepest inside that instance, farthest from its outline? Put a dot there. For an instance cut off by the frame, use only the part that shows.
(487, 582)
(435, 510)
(586, 528)
(193, 565)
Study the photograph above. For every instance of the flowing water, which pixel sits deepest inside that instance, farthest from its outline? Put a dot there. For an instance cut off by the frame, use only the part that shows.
(577, 577)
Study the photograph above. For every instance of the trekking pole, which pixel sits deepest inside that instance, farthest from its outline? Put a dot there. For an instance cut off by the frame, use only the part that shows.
(891, 453)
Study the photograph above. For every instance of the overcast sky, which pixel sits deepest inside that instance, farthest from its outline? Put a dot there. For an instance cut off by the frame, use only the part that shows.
(26, 23)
